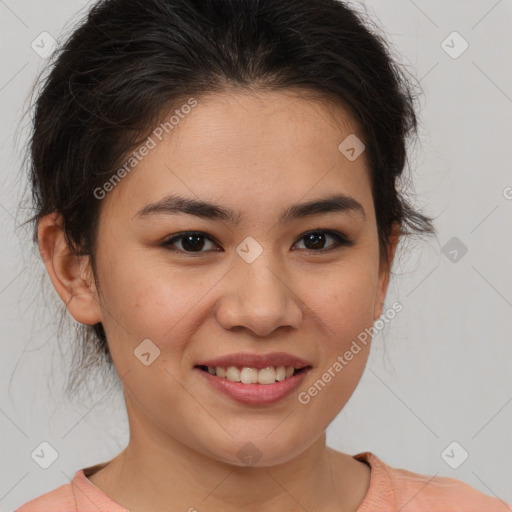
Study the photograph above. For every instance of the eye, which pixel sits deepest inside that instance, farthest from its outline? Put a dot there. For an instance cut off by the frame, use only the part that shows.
(190, 241)
(316, 240)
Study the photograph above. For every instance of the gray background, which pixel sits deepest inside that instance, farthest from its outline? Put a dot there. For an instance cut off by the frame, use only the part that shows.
(440, 371)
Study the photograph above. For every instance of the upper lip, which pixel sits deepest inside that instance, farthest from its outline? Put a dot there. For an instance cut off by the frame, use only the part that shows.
(245, 359)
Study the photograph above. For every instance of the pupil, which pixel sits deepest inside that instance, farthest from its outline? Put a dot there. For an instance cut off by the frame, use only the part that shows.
(188, 240)
(317, 240)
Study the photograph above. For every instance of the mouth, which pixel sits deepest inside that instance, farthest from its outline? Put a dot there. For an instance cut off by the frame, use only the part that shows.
(249, 375)
(254, 379)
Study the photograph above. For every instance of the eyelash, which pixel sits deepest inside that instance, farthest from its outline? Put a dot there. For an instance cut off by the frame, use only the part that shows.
(342, 241)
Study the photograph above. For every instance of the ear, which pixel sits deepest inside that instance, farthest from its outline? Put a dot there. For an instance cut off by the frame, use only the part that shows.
(71, 275)
(384, 271)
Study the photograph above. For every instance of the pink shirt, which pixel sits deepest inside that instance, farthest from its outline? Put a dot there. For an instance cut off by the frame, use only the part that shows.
(391, 490)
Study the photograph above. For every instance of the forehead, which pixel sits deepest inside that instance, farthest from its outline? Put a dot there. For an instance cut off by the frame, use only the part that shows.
(247, 149)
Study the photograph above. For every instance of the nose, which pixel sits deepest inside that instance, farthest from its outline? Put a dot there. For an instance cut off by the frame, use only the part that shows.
(258, 298)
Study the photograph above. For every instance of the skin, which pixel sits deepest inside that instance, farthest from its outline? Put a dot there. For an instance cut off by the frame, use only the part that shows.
(184, 435)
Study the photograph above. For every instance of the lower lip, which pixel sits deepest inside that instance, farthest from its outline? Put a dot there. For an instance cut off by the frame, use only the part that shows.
(254, 394)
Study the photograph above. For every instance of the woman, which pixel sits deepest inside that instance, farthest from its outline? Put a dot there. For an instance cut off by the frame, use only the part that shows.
(216, 194)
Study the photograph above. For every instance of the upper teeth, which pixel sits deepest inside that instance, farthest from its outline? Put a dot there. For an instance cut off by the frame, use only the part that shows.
(246, 375)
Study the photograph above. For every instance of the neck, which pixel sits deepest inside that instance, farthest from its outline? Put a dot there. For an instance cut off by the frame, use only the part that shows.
(155, 472)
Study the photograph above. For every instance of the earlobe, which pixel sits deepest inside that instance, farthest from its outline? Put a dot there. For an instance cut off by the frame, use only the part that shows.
(70, 274)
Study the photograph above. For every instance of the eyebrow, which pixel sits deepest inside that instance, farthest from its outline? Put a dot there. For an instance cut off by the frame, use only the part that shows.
(175, 204)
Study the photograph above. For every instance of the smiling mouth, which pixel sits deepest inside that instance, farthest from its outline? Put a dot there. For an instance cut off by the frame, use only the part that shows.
(246, 375)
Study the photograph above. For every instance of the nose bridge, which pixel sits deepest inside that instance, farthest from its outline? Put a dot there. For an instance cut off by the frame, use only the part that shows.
(260, 284)
(257, 297)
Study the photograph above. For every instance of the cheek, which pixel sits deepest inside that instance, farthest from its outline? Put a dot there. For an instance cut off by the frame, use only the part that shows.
(140, 302)
(344, 301)
(343, 308)
(169, 306)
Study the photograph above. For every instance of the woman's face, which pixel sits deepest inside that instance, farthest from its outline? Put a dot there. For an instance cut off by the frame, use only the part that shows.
(253, 283)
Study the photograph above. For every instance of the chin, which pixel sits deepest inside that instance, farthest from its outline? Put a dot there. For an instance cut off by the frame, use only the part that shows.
(261, 452)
